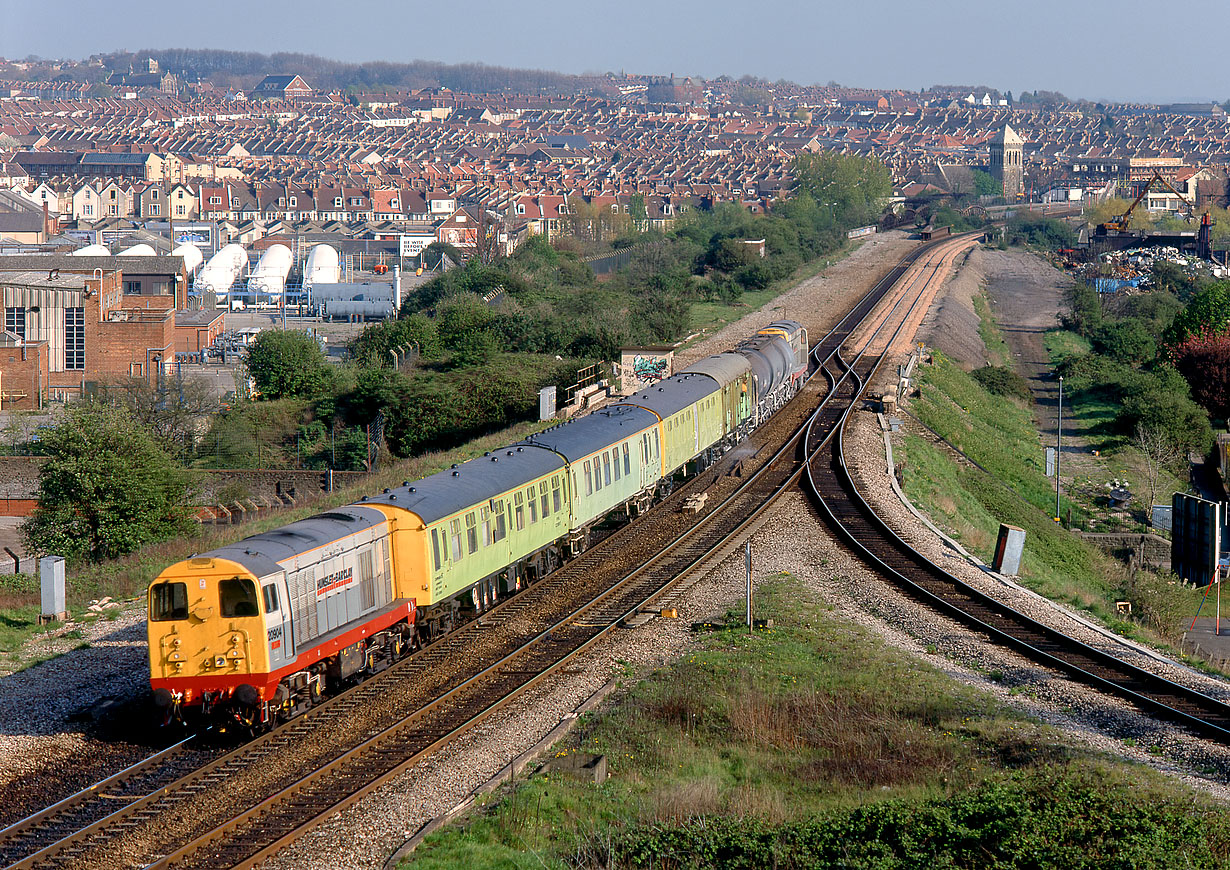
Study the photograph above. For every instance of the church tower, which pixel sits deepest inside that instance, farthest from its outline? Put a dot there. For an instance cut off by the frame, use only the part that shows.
(1008, 162)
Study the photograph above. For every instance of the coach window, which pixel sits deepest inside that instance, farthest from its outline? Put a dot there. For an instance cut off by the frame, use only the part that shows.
(471, 533)
(606, 467)
(615, 454)
(169, 601)
(485, 518)
(555, 498)
(271, 598)
(435, 549)
(544, 504)
(237, 597)
(519, 510)
(589, 479)
(454, 534)
(501, 523)
(529, 497)
(627, 460)
(597, 473)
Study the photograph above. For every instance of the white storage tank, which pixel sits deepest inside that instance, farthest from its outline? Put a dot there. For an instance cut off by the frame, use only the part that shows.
(93, 251)
(192, 255)
(222, 270)
(139, 250)
(269, 276)
(323, 267)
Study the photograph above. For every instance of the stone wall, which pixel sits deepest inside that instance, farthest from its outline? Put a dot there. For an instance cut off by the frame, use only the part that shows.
(264, 487)
(1152, 550)
(270, 486)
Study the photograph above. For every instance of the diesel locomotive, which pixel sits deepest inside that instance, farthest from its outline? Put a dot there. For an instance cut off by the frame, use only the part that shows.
(260, 629)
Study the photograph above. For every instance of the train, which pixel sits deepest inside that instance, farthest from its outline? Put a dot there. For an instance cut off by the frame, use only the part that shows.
(260, 630)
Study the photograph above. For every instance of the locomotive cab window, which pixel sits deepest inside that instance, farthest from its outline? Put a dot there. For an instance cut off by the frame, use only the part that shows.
(169, 601)
(271, 598)
(237, 597)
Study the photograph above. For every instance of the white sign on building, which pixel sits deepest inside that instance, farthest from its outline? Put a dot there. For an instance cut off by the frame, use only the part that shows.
(412, 244)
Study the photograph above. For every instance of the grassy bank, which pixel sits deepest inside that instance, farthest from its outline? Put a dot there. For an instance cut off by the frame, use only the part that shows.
(970, 504)
(814, 745)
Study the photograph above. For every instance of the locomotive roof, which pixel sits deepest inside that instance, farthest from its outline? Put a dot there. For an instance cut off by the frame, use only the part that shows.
(583, 436)
(471, 483)
(674, 393)
(260, 553)
(722, 367)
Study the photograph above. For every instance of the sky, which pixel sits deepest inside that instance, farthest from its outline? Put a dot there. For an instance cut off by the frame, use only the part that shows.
(1093, 49)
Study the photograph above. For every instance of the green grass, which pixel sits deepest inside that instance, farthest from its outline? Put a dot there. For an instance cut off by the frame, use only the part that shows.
(1062, 343)
(995, 432)
(814, 745)
(998, 353)
(970, 504)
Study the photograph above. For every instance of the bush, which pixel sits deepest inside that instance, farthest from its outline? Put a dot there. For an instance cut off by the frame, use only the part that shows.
(1002, 381)
(287, 364)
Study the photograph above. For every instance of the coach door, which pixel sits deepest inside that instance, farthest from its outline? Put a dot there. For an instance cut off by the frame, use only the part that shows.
(276, 606)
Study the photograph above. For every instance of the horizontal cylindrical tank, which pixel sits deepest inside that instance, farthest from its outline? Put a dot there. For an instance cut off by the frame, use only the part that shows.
(192, 255)
(222, 269)
(93, 251)
(322, 267)
(269, 276)
(139, 250)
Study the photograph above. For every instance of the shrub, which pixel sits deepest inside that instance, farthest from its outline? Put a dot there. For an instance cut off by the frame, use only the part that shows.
(1002, 381)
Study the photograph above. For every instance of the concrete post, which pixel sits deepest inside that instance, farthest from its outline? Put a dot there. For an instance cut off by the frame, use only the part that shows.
(51, 582)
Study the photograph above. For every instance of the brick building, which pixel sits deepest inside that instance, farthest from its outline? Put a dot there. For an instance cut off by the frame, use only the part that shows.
(64, 330)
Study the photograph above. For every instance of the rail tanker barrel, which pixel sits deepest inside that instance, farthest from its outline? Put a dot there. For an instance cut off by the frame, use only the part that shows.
(795, 335)
(777, 354)
(762, 370)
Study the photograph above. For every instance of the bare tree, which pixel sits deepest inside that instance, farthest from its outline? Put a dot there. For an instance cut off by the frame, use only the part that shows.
(487, 242)
(1160, 452)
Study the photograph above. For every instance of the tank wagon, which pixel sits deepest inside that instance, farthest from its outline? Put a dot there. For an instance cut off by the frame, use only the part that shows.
(259, 630)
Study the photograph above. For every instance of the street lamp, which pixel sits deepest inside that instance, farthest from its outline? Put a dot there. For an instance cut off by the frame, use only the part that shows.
(1058, 445)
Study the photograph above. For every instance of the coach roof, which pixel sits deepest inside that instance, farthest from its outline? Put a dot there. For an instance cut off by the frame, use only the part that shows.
(471, 483)
(673, 394)
(579, 438)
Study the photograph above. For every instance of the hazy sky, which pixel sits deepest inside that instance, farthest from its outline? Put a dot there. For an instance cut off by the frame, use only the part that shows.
(1094, 49)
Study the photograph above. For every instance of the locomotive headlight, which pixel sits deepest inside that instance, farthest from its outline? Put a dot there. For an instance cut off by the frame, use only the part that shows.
(234, 640)
(219, 662)
(175, 642)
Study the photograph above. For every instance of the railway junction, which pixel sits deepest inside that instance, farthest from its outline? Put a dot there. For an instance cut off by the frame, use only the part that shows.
(792, 484)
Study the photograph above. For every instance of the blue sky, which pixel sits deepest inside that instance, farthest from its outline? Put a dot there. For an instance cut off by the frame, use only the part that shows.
(1096, 50)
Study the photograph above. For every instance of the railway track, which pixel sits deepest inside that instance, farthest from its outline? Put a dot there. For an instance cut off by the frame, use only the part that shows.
(238, 809)
(839, 502)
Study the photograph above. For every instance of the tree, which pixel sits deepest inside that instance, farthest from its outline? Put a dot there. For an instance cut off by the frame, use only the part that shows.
(1204, 360)
(173, 410)
(1206, 315)
(107, 488)
(986, 184)
(284, 363)
(852, 184)
(638, 212)
(1160, 452)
